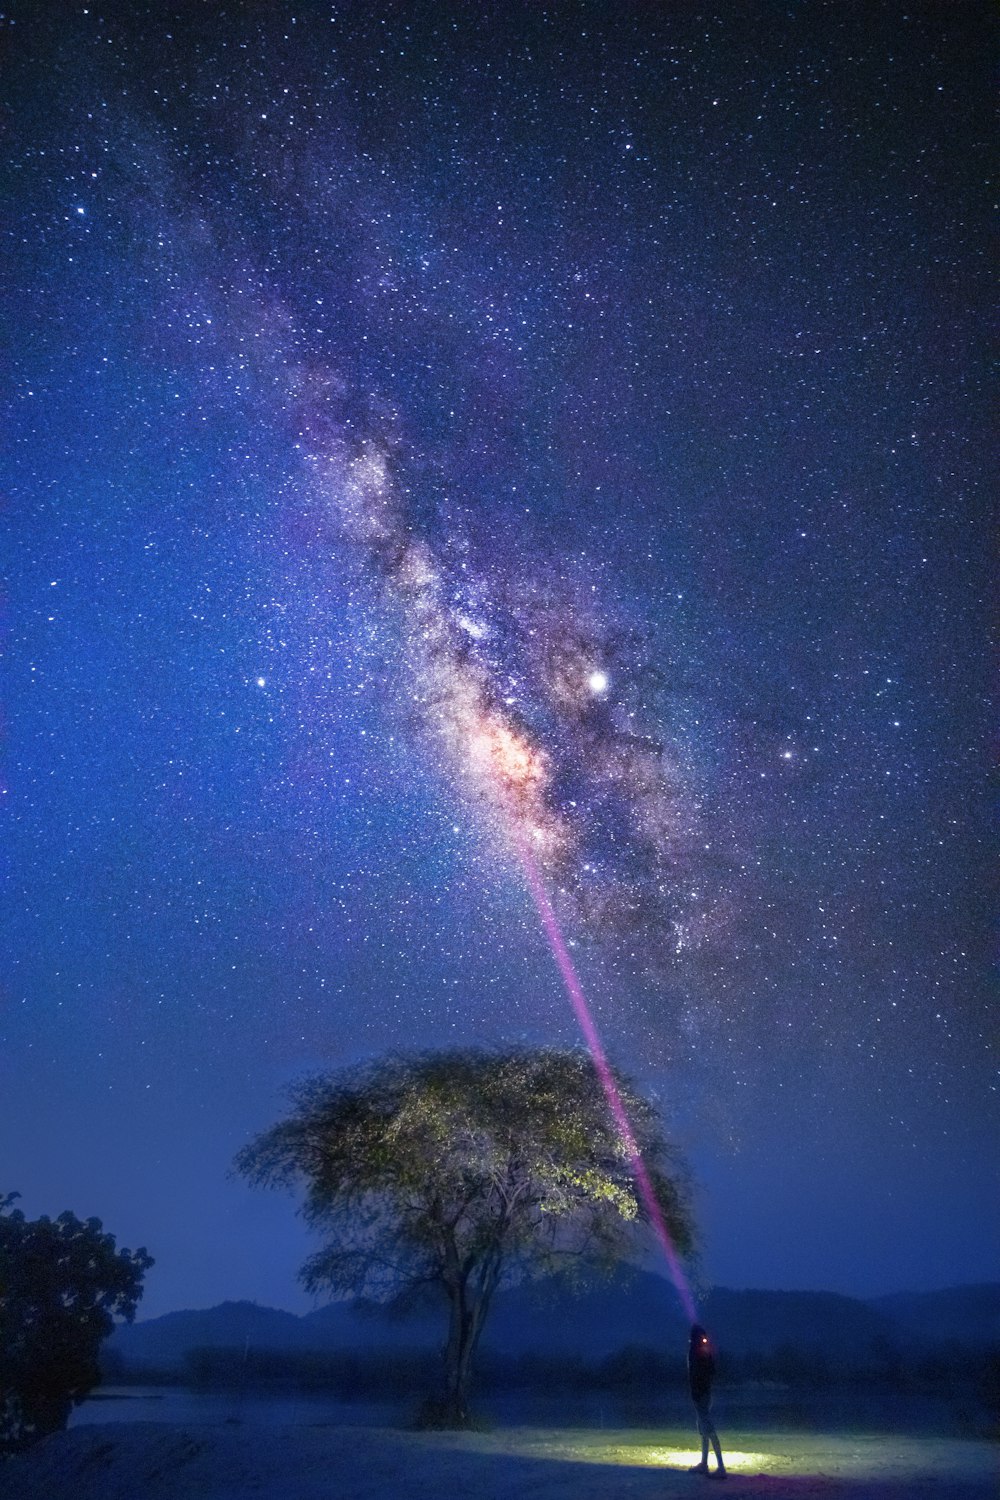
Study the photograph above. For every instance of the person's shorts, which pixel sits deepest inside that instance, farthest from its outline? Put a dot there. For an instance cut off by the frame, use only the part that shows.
(706, 1426)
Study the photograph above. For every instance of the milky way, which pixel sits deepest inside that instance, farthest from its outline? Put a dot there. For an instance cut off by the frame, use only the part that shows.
(438, 430)
(518, 681)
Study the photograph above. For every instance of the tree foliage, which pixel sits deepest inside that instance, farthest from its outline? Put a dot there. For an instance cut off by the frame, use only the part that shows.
(62, 1284)
(461, 1169)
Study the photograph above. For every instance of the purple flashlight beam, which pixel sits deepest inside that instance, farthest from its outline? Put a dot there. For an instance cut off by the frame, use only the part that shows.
(591, 1036)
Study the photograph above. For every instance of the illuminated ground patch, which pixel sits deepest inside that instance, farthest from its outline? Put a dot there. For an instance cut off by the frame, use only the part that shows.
(736, 1461)
(844, 1459)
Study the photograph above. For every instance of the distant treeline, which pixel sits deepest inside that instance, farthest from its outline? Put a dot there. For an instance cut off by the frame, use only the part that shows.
(636, 1370)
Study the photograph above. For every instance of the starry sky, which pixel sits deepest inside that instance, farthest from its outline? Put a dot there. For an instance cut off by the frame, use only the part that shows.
(439, 429)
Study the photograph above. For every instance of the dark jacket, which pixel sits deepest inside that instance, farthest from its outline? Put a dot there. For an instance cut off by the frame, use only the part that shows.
(701, 1367)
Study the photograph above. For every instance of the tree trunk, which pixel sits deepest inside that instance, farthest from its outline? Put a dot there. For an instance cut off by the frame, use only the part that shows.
(470, 1300)
(458, 1359)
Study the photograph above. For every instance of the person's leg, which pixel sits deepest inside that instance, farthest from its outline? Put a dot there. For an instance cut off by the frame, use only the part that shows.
(709, 1435)
(701, 1407)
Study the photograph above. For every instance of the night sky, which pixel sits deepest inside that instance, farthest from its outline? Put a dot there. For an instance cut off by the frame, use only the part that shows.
(435, 430)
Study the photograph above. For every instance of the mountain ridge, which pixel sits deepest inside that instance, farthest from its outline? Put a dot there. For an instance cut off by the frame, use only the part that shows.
(547, 1318)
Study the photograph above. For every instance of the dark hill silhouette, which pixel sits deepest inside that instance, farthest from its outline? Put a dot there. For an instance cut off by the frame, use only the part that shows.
(366, 1325)
(969, 1315)
(162, 1343)
(841, 1329)
(551, 1320)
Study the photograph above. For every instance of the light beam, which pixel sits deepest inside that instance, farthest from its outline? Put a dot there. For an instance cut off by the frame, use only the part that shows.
(591, 1036)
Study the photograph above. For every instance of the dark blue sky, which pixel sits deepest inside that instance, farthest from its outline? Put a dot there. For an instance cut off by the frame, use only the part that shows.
(658, 335)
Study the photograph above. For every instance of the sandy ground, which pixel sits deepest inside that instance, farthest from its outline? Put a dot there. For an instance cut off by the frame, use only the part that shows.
(154, 1461)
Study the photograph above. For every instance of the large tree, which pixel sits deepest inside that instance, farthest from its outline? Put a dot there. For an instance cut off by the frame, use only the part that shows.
(461, 1169)
(62, 1284)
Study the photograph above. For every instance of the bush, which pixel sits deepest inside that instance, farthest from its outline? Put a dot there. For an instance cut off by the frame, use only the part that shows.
(62, 1284)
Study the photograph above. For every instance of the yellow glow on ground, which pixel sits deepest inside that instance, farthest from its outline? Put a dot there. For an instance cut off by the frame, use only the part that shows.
(625, 1452)
(854, 1459)
(676, 1458)
(640, 1455)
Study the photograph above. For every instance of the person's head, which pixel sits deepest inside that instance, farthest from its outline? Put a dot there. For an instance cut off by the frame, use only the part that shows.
(700, 1341)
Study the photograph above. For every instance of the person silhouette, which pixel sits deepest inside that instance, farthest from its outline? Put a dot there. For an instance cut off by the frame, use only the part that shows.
(701, 1373)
